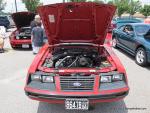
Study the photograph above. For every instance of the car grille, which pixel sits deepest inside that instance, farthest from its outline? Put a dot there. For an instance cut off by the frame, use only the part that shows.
(24, 38)
(77, 83)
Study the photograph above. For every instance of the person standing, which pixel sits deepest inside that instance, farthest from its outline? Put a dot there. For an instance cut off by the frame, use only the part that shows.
(34, 24)
(37, 35)
(1, 44)
(2, 36)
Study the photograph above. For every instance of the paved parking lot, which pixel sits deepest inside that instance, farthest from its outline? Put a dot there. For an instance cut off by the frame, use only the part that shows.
(13, 68)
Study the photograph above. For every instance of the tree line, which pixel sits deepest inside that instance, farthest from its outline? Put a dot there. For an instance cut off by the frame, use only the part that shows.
(123, 6)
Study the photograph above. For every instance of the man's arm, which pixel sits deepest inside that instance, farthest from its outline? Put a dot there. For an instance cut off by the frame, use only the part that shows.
(32, 34)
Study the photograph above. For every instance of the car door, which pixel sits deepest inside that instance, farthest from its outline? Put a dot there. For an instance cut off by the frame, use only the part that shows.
(119, 34)
(127, 38)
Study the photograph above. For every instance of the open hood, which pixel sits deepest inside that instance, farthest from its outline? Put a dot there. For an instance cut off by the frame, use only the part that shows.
(23, 19)
(84, 22)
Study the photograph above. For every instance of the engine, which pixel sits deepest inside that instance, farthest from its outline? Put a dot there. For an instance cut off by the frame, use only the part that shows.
(24, 33)
(74, 57)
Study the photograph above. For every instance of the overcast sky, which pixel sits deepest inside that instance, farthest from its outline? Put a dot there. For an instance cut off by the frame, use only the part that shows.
(10, 7)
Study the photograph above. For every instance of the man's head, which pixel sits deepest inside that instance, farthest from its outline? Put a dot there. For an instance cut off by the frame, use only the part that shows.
(37, 18)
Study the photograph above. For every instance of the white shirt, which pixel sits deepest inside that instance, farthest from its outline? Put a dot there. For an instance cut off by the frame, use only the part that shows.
(2, 32)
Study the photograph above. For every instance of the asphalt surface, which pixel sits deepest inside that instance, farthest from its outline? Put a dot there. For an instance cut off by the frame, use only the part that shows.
(14, 65)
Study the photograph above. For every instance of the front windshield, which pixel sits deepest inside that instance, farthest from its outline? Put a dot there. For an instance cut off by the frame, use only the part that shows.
(142, 29)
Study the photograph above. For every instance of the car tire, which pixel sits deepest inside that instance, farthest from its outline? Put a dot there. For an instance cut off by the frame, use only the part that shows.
(141, 57)
(114, 42)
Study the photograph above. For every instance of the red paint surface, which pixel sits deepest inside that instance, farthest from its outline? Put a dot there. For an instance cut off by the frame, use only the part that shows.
(90, 25)
(76, 22)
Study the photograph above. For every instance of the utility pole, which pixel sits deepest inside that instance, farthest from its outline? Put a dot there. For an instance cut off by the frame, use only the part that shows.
(16, 5)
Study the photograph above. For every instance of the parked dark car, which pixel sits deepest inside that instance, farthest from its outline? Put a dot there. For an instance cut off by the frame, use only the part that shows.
(116, 23)
(4, 21)
(135, 39)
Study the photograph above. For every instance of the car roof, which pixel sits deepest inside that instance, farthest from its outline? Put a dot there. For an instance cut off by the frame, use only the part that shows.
(126, 18)
(135, 24)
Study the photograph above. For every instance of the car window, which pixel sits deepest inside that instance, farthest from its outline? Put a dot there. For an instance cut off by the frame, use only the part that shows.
(142, 29)
(128, 29)
(147, 35)
(3, 18)
(121, 28)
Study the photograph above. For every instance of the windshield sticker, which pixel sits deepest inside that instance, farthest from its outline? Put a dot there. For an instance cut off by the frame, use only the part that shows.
(51, 18)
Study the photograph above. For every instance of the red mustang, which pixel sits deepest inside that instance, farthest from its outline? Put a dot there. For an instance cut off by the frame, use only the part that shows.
(76, 68)
(22, 36)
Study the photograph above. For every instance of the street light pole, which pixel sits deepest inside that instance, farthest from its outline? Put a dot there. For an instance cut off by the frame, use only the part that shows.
(16, 5)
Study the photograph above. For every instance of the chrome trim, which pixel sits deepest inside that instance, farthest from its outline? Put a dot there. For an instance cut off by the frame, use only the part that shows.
(88, 44)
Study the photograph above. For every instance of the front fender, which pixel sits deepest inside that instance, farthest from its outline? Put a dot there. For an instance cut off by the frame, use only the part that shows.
(38, 58)
(115, 59)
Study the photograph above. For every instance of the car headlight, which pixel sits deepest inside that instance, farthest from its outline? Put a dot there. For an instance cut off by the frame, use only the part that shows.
(36, 77)
(117, 77)
(17, 37)
(47, 79)
(106, 79)
(42, 78)
(112, 78)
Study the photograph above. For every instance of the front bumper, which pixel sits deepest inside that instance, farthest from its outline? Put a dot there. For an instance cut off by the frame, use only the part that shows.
(19, 43)
(92, 98)
(105, 93)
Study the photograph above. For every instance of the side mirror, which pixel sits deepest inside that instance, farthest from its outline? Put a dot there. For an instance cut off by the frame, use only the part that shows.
(131, 34)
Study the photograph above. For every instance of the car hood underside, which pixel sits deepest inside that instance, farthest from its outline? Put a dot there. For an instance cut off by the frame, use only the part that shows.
(76, 22)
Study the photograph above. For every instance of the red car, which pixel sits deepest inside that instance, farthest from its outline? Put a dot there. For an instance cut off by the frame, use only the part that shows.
(76, 68)
(111, 27)
(22, 36)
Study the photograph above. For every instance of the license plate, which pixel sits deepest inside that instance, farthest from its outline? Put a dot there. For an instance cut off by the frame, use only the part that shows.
(25, 46)
(77, 104)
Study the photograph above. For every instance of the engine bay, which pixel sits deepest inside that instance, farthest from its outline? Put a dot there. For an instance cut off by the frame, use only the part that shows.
(76, 57)
(24, 33)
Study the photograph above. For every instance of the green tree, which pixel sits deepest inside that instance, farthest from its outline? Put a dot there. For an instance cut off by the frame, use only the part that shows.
(134, 6)
(2, 5)
(31, 5)
(145, 10)
(110, 2)
(99, 1)
(122, 6)
(77, 0)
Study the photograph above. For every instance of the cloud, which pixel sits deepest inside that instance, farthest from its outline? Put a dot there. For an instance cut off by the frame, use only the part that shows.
(10, 7)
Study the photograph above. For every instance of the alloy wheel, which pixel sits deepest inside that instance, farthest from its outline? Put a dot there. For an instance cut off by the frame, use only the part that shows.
(141, 57)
